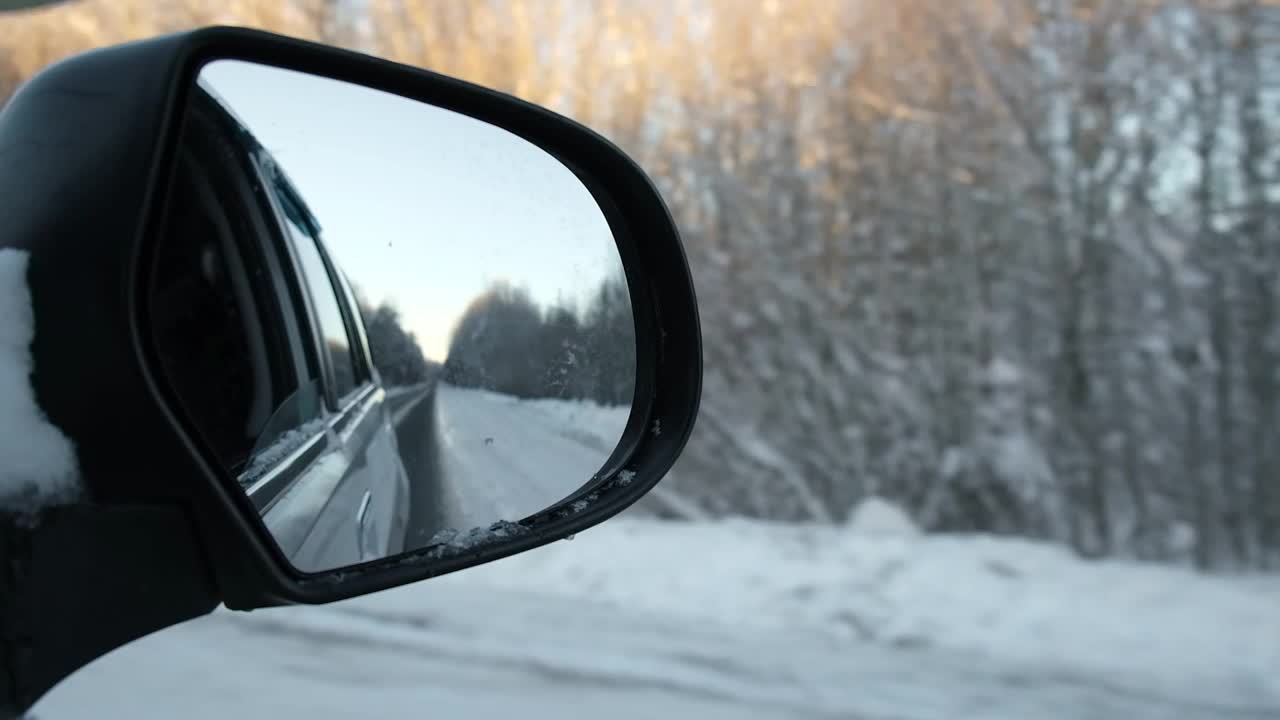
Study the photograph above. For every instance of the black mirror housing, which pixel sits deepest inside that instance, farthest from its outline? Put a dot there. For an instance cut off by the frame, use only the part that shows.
(88, 149)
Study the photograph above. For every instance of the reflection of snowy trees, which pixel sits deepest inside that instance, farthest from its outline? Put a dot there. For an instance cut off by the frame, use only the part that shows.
(395, 350)
(505, 342)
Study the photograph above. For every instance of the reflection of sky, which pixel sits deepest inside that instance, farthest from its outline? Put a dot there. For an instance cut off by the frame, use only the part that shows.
(421, 206)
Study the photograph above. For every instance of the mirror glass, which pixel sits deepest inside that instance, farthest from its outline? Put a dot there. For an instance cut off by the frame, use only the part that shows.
(395, 325)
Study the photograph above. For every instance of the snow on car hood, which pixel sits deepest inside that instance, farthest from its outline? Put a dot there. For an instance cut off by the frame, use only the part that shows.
(37, 461)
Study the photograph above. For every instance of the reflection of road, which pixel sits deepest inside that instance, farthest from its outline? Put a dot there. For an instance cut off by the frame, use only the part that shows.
(475, 457)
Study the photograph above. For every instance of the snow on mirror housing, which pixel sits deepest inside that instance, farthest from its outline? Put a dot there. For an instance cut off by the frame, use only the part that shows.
(398, 327)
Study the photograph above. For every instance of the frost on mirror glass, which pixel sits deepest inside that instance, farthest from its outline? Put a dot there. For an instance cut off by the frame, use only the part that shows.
(450, 348)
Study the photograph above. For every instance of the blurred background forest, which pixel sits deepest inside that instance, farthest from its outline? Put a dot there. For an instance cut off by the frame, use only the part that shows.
(1011, 264)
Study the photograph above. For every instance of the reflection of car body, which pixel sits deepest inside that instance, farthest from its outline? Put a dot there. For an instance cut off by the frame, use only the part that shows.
(308, 431)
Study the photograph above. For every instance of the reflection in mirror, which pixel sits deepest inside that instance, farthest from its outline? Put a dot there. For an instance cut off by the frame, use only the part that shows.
(394, 324)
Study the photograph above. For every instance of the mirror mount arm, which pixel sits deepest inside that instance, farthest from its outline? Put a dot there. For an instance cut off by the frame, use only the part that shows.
(81, 580)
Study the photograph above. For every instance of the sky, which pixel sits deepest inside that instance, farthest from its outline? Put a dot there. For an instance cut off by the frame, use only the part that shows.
(421, 206)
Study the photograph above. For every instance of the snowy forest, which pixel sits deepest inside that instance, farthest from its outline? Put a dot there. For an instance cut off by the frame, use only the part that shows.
(506, 342)
(1013, 265)
(396, 353)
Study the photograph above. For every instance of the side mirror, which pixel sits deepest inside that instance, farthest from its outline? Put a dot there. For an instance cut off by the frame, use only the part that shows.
(397, 327)
(359, 324)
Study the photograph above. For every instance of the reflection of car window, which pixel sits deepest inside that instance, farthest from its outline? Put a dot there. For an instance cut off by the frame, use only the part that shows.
(363, 367)
(214, 312)
(298, 418)
(332, 326)
(200, 324)
(223, 314)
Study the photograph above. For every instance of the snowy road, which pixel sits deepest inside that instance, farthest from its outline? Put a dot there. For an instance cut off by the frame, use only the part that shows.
(476, 457)
(643, 619)
(480, 654)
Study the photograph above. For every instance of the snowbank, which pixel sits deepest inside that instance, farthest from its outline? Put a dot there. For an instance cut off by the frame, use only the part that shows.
(598, 426)
(876, 516)
(1031, 605)
(39, 462)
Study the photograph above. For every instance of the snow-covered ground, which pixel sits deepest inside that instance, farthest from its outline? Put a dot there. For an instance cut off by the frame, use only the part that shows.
(505, 458)
(640, 618)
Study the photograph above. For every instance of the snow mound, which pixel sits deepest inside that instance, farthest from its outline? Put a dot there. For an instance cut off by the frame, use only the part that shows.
(878, 517)
(39, 463)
